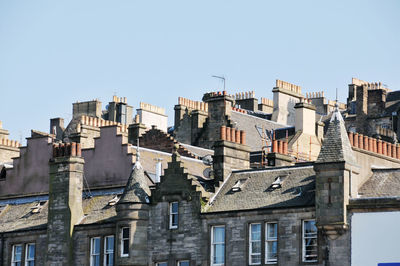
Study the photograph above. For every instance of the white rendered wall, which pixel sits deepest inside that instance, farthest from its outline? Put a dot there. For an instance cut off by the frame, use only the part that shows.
(375, 238)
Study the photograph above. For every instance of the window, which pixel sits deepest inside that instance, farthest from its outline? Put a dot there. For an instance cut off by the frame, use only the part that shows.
(109, 251)
(271, 243)
(16, 259)
(162, 263)
(218, 245)
(183, 263)
(173, 215)
(310, 248)
(95, 251)
(30, 254)
(255, 244)
(125, 232)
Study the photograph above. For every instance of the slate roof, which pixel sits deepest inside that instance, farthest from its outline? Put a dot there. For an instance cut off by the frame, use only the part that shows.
(393, 96)
(200, 152)
(248, 123)
(298, 190)
(136, 190)
(383, 183)
(336, 146)
(15, 217)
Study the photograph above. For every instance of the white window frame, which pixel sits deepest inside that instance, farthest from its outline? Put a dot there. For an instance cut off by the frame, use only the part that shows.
(92, 249)
(269, 239)
(181, 261)
(13, 261)
(125, 239)
(27, 260)
(304, 238)
(173, 214)
(214, 244)
(251, 246)
(106, 251)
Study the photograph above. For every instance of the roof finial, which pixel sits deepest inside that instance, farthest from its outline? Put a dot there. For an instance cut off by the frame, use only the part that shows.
(137, 151)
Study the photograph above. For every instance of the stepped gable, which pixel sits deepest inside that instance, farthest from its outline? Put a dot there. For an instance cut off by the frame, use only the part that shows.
(157, 139)
(176, 180)
(336, 146)
(136, 190)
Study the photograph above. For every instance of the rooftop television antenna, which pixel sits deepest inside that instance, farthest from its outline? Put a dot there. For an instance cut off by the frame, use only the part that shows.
(221, 78)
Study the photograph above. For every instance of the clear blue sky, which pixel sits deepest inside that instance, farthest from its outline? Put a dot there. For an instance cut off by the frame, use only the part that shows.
(53, 53)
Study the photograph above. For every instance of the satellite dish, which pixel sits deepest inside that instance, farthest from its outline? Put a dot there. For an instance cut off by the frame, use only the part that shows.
(207, 160)
(207, 173)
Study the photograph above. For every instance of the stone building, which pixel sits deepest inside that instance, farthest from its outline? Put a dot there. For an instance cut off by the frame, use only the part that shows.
(98, 198)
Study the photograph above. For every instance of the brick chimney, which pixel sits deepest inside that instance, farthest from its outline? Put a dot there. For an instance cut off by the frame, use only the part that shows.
(65, 202)
(230, 153)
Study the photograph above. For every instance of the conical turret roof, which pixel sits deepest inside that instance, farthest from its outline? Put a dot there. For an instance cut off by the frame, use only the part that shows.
(136, 189)
(336, 146)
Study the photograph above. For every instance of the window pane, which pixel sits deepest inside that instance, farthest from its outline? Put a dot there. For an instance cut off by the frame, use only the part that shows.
(256, 247)
(17, 253)
(162, 264)
(174, 207)
(256, 259)
(219, 234)
(31, 251)
(310, 243)
(272, 250)
(126, 247)
(219, 253)
(110, 243)
(255, 231)
(272, 230)
(125, 232)
(174, 220)
(183, 263)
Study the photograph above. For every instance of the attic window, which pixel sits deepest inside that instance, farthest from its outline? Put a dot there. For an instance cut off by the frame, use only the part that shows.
(38, 207)
(278, 182)
(114, 200)
(239, 185)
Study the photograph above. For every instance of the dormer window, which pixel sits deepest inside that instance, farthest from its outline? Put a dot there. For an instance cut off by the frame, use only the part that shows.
(173, 215)
(239, 185)
(277, 182)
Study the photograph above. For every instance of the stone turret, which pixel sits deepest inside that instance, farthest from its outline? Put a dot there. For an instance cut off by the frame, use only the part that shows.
(336, 176)
(133, 219)
(65, 202)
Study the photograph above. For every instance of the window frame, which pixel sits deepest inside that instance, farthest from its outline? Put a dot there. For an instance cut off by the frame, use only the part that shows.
(92, 254)
(303, 240)
(160, 263)
(27, 260)
(250, 244)
(270, 240)
(172, 214)
(124, 255)
(212, 244)
(105, 253)
(13, 261)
